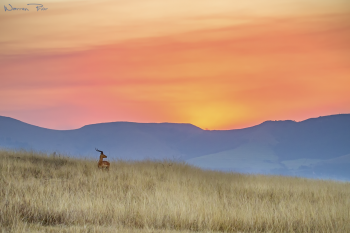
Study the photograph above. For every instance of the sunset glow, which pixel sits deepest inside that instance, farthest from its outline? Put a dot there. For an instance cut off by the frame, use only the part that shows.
(215, 64)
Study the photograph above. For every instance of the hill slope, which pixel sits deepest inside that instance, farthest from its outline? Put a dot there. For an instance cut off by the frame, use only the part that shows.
(56, 194)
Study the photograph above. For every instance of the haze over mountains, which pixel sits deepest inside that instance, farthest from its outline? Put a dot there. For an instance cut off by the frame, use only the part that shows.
(317, 147)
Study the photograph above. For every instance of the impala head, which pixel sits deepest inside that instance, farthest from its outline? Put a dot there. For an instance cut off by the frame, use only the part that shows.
(101, 155)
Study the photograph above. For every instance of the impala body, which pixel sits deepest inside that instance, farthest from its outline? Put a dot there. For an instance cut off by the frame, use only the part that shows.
(102, 164)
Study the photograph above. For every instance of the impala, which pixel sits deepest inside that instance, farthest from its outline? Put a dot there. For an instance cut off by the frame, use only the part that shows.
(102, 164)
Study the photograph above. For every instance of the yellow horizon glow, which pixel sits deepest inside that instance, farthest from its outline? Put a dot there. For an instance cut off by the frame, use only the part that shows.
(215, 64)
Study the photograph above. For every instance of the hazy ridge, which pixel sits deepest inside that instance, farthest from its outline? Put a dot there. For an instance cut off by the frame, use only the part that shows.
(317, 147)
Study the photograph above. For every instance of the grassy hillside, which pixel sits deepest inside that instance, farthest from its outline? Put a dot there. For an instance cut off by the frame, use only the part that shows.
(58, 194)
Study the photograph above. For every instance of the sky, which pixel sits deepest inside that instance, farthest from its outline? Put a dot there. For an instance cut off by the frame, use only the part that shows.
(223, 64)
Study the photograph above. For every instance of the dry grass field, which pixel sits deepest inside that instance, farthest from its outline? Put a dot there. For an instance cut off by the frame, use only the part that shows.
(42, 193)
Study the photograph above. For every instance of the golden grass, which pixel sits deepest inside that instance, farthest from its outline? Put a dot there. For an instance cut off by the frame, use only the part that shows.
(60, 194)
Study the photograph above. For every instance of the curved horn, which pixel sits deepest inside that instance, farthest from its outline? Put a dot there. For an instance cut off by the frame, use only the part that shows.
(99, 150)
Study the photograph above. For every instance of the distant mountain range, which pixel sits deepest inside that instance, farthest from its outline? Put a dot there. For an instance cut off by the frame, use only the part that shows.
(317, 147)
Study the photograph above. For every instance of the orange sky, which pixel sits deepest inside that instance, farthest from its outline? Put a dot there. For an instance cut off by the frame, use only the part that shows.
(216, 64)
